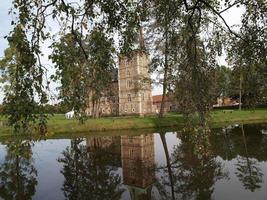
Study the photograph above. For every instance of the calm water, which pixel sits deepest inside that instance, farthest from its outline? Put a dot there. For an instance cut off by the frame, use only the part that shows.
(224, 164)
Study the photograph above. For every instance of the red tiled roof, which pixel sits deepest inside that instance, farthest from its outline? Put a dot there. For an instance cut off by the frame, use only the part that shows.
(158, 98)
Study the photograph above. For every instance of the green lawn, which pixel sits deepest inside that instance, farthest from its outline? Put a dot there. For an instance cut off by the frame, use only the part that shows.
(58, 125)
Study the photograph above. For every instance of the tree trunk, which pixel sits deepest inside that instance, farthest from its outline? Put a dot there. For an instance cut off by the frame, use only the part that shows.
(240, 92)
(246, 149)
(164, 143)
(162, 105)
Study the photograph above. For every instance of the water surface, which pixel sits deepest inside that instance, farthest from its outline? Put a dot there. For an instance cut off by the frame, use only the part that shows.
(227, 163)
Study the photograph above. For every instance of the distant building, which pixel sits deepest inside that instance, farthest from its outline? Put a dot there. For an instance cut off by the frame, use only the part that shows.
(170, 104)
(225, 101)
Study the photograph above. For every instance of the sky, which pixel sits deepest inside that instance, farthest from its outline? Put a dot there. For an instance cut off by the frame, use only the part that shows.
(232, 17)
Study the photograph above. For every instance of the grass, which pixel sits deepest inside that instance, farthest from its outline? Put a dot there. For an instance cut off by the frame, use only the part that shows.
(59, 126)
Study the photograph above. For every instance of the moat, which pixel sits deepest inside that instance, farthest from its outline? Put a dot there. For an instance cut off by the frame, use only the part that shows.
(226, 163)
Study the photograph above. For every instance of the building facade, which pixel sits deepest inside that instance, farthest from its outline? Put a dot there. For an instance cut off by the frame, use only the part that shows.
(135, 96)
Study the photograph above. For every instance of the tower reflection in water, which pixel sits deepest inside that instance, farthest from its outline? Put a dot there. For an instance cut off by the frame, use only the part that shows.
(137, 161)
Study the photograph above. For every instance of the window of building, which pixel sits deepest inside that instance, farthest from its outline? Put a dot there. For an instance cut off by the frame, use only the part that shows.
(128, 73)
(129, 83)
(132, 173)
(143, 96)
(131, 153)
(129, 97)
(130, 139)
(125, 108)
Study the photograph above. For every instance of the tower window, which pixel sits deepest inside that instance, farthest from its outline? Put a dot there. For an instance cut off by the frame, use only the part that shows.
(129, 83)
(132, 173)
(131, 153)
(129, 97)
(143, 96)
(128, 73)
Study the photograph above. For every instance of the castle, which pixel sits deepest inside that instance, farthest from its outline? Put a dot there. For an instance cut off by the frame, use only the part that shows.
(131, 88)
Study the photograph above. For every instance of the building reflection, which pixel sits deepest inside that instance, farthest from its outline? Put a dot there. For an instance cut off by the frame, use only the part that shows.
(137, 159)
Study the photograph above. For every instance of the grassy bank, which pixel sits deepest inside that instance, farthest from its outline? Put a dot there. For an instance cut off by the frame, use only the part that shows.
(58, 125)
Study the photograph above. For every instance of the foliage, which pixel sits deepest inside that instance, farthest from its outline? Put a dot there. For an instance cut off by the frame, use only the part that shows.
(89, 173)
(223, 81)
(23, 83)
(247, 54)
(194, 168)
(71, 71)
(83, 79)
(17, 173)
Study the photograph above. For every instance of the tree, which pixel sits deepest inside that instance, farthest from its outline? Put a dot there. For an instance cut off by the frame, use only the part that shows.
(84, 79)
(101, 67)
(71, 69)
(195, 86)
(23, 83)
(223, 81)
(247, 54)
(165, 19)
(182, 54)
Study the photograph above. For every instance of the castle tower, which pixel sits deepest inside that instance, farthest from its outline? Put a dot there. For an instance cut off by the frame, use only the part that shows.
(135, 96)
(138, 162)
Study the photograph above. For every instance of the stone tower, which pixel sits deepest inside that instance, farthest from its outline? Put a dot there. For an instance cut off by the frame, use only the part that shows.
(135, 96)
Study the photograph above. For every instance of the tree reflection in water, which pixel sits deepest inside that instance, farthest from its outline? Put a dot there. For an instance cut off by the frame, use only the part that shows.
(248, 171)
(192, 168)
(89, 174)
(17, 173)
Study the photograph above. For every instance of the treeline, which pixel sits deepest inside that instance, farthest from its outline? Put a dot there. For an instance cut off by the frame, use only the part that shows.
(48, 109)
(247, 87)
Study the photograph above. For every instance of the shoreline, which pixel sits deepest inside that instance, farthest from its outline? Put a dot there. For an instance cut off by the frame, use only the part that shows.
(58, 125)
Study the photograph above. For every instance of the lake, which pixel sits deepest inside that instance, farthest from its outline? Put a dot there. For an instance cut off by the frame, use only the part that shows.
(224, 163)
